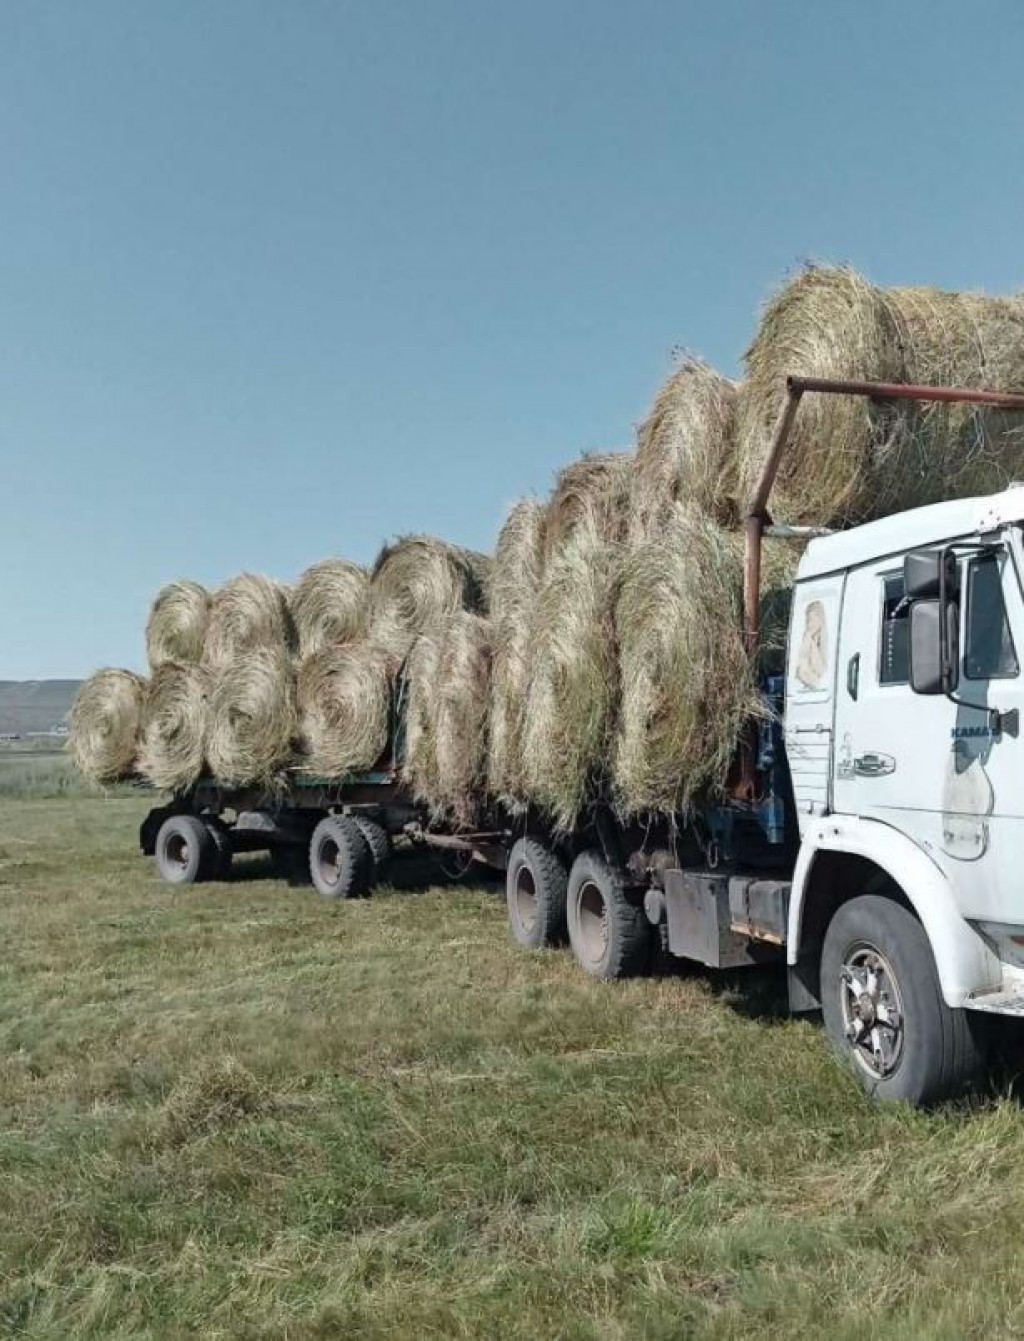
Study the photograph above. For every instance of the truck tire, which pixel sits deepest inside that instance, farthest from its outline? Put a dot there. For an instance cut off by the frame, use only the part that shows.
(340, 860)
(378, 842)
(610, 937)
(883, 1007)
(185, 851)
(535, 890)
(222, 853)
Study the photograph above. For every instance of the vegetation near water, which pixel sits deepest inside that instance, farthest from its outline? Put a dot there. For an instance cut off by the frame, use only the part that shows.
(237, 1110)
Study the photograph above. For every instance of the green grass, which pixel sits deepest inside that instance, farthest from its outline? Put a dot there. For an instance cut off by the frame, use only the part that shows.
(38, 773)
(238, 1110)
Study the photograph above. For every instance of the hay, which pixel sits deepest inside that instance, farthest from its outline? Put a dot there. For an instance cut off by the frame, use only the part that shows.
(328, 605)
(686, 450)
(104, 725)
(686, 683)
(252, 716)
(518, 567)
(594, 492)
(416, 583)
(247, 613)
(175, 724)
(446, 716)
(572, 676)
(344, 705)
(177, 624)
(849, 461)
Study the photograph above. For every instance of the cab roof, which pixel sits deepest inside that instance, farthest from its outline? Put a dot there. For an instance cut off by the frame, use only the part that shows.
(931, 525)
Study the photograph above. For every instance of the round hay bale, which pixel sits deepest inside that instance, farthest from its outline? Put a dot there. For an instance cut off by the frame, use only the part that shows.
(104, 725)
(446, 725)
(177, 624)
(175, 724)
(518, 566)
(594, 492)
(252, 716)
(328, 605)
(849, 460)
(687, 686)
(247, 613)
(572, 683)
(344, 705)
(686, 449)
(416, 582)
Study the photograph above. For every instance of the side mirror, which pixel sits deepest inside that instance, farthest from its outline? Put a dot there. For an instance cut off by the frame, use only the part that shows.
(934, 647)
(928, 572)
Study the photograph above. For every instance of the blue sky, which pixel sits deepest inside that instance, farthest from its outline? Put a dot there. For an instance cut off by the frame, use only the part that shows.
(280, 280)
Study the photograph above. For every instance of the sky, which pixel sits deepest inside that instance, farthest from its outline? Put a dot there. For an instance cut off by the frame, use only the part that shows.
(282, 280)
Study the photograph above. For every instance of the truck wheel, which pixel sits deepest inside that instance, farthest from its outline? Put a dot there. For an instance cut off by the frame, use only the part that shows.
(378, 842)
(340, 860)
(535, 889)
(610, 937)
(221, 854)
(883, 1007)
(184, 850)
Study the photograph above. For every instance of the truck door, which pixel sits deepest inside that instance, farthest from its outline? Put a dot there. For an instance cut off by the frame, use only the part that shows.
(929, 767)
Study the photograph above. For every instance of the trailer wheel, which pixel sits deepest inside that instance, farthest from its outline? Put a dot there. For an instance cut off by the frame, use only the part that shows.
(340, 860)
(378, 842)
(883, 1007)
(535, 890)
(610, 937)
(222, 853)
(185, 850)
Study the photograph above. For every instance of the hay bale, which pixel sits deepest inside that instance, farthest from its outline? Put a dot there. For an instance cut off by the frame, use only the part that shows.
(175, 724)
(344, 704)
(686, 682)
(848, 460)
(446, 715)
(247, 612)
(328, 605)
(104, 725)
(253, 721)
(177, 624)
(686, 450)
(572, 680)
(416, 583)
(594, 492)
(518, 567)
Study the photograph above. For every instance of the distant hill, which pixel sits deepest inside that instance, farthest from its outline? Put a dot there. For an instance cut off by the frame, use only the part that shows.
(35, 705)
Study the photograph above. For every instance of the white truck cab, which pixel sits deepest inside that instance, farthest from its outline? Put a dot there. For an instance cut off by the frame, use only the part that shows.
(902, 726)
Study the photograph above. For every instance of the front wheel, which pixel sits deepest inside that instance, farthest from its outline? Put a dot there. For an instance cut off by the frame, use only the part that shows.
(883, 1007)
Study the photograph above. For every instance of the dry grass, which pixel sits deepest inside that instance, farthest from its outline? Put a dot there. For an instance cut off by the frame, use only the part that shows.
(416, 583)
(686, 450)
(104, 725)
(448, 674)
(344, 703)
(594, 494)
(850, 461)
(686, 683)
(328, 605)
(175, 726)
(572, 686)
(177, 625)
(248, 612)
(253, 721)
(518, 568)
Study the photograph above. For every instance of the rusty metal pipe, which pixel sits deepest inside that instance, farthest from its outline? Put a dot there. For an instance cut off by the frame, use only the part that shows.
(1005, 400)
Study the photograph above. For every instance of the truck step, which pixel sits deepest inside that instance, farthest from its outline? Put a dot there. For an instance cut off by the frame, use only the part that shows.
(1001, 1002)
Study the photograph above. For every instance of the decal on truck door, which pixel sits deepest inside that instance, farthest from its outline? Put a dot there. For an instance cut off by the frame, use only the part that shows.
(967, 801)
(812, 660)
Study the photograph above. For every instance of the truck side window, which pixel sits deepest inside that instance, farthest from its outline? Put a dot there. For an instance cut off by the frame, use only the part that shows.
(988, 647)
(894, 663)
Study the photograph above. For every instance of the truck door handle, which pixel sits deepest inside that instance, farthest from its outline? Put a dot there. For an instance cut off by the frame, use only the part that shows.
(853, 675)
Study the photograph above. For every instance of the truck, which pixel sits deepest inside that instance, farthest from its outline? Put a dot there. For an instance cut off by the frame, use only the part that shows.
(867, 837)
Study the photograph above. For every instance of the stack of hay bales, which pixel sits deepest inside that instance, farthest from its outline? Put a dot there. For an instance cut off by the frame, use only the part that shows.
(850, 460)
(104, 726)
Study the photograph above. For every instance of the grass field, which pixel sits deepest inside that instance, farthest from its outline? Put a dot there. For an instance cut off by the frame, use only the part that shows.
(237, 1110)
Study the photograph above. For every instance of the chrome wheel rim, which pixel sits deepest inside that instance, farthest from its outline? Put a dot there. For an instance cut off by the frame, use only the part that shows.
(872, 1010)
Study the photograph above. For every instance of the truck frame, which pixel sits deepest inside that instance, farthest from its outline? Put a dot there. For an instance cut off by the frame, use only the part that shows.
(871, 833)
